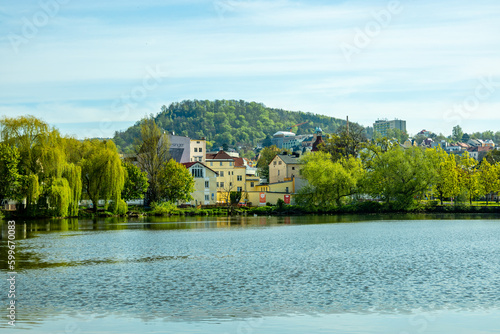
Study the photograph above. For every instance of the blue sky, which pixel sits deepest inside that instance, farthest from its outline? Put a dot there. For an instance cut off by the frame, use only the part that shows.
(93, 67)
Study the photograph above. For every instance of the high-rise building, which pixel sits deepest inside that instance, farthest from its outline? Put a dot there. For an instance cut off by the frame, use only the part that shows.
(382, 125)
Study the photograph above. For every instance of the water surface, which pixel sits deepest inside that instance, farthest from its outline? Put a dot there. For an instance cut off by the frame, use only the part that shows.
(374, 274)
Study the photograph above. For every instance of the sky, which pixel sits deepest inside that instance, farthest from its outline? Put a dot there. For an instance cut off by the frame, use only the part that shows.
(91, 68)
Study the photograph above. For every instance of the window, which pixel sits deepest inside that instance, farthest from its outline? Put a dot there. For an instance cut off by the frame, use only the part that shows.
(279, 163)
(238, 189)
(239, 178)
(274, 163)
(251, 184)
(221, 163)
(217, 184)
(196, 149)
(211, 163)
(286, 190)
(278, 172)
(197, 171)
(230, 163)
(207, 198)
(222, 184)
(221, 173)
(230, 184)
(207, 184)
(293, 168)
(200, 149)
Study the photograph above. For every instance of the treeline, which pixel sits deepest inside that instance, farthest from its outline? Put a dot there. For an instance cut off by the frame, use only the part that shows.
(228, 122)
(51, 173)
(347, 171)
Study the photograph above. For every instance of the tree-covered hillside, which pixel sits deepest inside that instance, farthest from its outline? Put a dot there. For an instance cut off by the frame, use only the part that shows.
(229, 122)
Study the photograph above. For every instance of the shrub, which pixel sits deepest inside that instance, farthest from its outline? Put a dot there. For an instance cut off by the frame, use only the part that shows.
(163, 208)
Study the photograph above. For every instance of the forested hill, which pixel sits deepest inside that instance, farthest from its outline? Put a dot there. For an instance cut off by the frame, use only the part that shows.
(229, 122)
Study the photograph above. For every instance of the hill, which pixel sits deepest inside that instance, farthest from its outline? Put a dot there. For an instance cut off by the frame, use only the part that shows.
(231, 122)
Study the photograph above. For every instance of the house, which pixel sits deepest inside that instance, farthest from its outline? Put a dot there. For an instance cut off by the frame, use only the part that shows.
(184, 149)
(205, 183)
(489, 143)
(475, 143)
(284, 167)
(479, 152)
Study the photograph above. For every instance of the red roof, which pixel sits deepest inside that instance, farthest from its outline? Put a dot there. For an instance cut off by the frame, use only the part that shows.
(239, 162)
(221, 155)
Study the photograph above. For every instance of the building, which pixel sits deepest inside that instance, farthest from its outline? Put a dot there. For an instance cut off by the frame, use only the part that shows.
(280, 136)
(231, 174)
(205, 184)
(382, 126)
(184, 149)
(284, 167)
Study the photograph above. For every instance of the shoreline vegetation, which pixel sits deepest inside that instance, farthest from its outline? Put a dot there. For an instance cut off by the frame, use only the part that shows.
(367, 207)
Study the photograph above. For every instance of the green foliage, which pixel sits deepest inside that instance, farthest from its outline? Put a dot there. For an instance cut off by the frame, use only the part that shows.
(489, 178)
(73, 174)
(152, 153)
(346, 142)
(457, 133)
(176, 182)
(400, 177)
(163, 208)
(103, 176)
(235, 197)
(447, 180)
(9, 175)
(60, 197)
(121, 208)
(228, 122)
(136, 182)
(329, 181)
(469, 176)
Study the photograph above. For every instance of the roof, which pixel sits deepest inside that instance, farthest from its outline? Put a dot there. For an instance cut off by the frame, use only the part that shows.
(239, 162)
(288, 159)
(221, 155)
(191, 164)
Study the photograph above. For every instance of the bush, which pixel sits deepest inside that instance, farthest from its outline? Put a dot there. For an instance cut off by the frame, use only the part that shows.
(121, 208)
(164, 208)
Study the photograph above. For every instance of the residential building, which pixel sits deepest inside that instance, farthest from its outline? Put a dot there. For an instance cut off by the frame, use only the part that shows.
(184, 149)
(198, 150)
(205, 183)
(284, 167)
(479, 152)
(382, 126)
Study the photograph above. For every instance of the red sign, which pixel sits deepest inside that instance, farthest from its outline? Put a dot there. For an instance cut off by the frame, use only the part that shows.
(262, 197)
(287, 199)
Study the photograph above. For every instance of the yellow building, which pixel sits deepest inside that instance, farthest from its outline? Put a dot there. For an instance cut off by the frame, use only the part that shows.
(284, 167)
(197, 150)
(205, 184)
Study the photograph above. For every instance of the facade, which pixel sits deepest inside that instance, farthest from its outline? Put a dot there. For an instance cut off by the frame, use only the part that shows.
(230, 178)
(284, 167)
(197, 150)
(184, 149)
(205, 184)
(280, 136)
(382, 126)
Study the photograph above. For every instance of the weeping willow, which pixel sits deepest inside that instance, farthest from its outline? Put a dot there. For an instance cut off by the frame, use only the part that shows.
(102, 174)
(31, 190)
(73, 174)
(60, 196)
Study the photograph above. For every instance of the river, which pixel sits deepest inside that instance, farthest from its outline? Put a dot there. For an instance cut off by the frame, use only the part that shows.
(313, 274)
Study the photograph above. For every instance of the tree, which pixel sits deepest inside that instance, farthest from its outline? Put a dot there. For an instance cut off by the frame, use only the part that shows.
(9, 176)
(329, 181)
(102, 173)
(489, 178)
(176, 182)
(136, 182)
(400, 176)
(346, 142)
(447, 181)
(152, 153)
(457, 133)
(267, 154)
(469, 177)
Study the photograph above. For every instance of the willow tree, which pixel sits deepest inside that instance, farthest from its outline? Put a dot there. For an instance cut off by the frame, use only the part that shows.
(103, 176)
(73, 174)
(60, 196)
(152, 153)
(9, 175)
